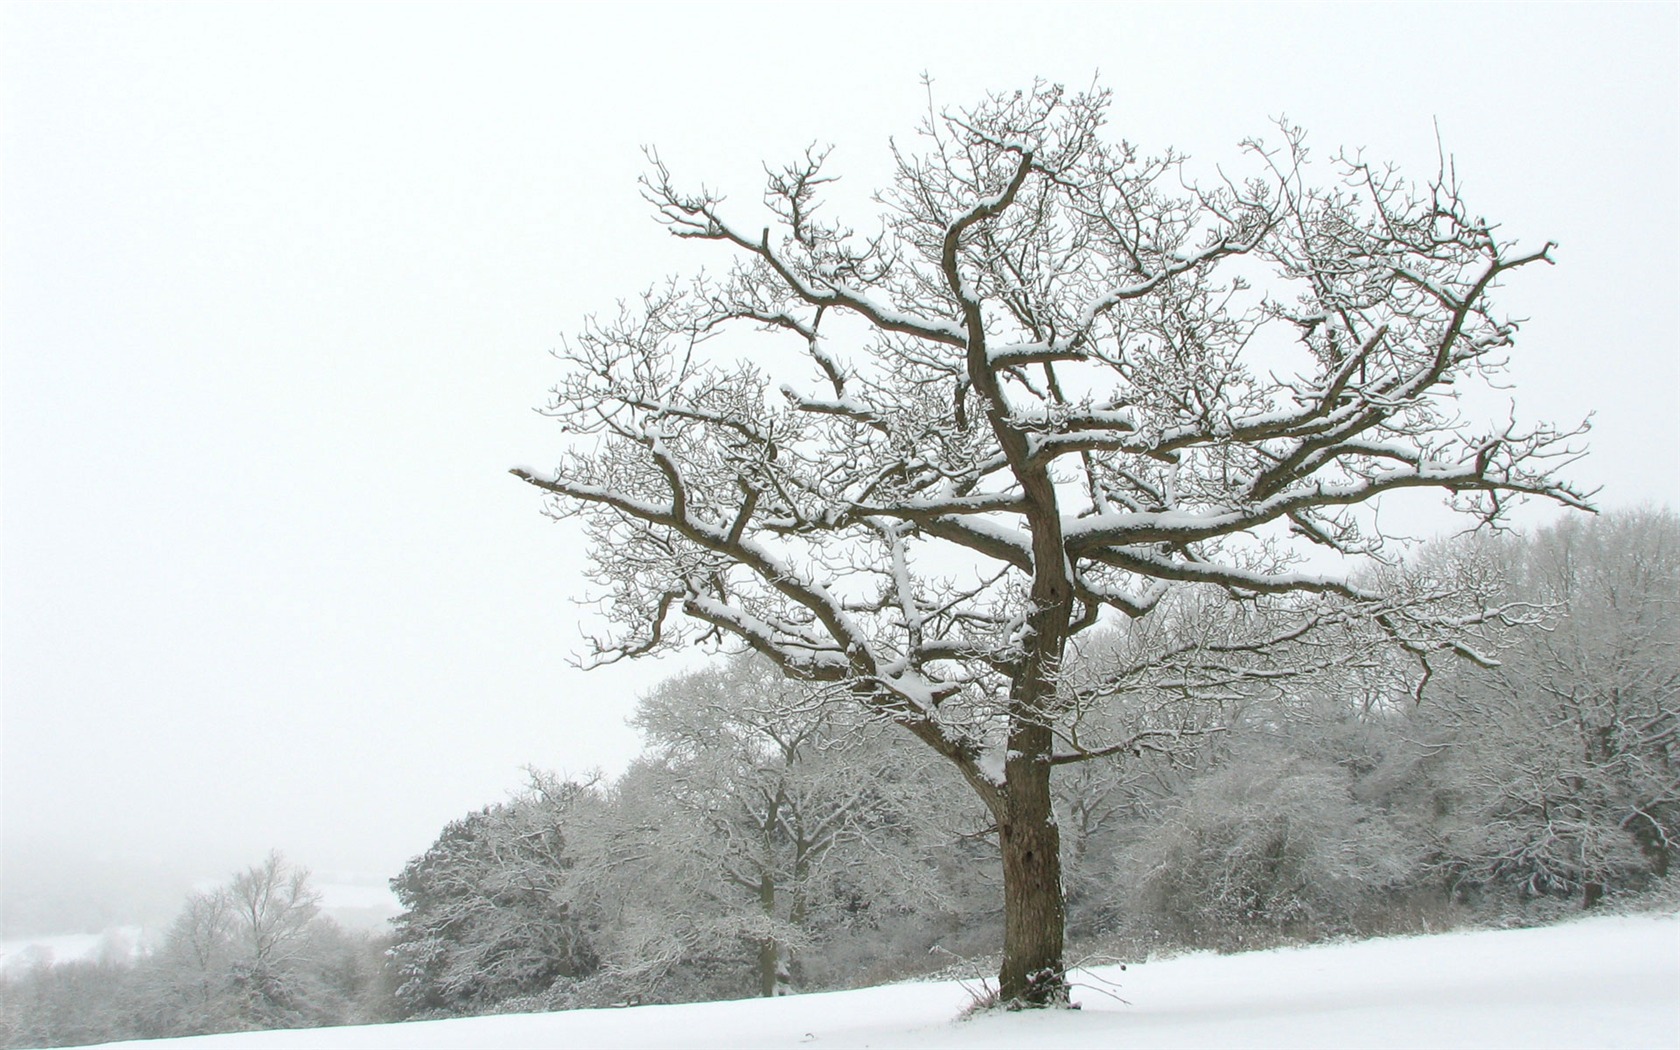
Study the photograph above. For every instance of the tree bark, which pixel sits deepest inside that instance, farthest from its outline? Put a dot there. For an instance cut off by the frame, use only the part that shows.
(1033, 973)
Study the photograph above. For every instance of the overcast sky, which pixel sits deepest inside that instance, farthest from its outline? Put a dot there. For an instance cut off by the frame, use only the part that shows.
(280, 283)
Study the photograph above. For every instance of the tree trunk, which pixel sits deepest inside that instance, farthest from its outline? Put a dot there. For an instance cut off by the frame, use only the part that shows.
(769, 951)
(1034, 973)
(772, 968)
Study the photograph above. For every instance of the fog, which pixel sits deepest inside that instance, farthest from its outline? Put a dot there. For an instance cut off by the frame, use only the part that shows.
(280, 282)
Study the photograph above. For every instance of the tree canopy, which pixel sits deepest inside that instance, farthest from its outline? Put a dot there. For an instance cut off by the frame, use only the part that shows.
(1055, 378)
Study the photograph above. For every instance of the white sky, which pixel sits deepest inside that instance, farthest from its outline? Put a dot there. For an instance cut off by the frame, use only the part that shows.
(279, 284)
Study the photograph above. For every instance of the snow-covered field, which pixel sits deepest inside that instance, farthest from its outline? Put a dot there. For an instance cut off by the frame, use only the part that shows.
(1601, 982)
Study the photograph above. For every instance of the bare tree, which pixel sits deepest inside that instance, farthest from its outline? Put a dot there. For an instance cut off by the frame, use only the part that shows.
(270, 909)
(1053, 381)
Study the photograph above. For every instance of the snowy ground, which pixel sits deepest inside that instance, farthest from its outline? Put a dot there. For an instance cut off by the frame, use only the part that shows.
(1602, 982)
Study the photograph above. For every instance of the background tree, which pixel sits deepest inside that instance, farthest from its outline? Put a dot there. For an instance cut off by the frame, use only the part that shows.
(805, 819)
(75, 1003)
(256, 953)
(270, 910)
(1268, 845)
(194, 970)
(1051, 382)
(1247, 811)
(1558, 771)
(490, 909)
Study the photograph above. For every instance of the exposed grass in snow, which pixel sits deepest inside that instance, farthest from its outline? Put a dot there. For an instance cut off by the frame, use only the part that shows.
(1605, 982)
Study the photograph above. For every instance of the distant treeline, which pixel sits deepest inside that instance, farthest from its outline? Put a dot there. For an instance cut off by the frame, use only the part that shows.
(770, 839)
(255, 953)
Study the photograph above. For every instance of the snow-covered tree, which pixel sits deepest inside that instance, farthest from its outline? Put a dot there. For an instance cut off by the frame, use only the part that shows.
(254, 953)
(1560, 769)
(77, 1002)
(489, 910)
(794, 819)
(1052, 381)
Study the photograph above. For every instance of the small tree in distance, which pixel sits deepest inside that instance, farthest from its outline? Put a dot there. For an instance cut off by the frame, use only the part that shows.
(1053, 382)
(255, 953)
